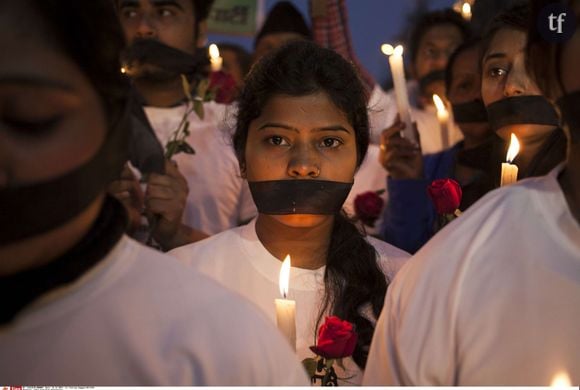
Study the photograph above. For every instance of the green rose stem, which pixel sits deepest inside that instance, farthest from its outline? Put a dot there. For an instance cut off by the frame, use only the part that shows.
(177, 143)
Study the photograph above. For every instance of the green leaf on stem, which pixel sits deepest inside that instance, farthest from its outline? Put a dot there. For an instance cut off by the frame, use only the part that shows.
(310, 366)
(185, 148)
(186, 87)
(329, 363)
(198, 108)
(202, 89)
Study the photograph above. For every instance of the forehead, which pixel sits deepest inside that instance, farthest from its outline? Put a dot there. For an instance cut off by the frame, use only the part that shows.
(467, 62)
(441, 34)
(508, 41)
(304, 111)
(184, 4)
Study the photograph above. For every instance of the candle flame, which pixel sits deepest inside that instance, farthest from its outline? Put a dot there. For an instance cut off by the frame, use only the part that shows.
(561, 379)
(514, 148)
(123, 70)
(389, 50)
(214, 52)
(285, 276)
(439, 103)
(466, 11)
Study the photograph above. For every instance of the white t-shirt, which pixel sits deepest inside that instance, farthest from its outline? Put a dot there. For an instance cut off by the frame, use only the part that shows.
(383, 110)
(218, 198)
(237, 259)
(494, 299)
(141, 318)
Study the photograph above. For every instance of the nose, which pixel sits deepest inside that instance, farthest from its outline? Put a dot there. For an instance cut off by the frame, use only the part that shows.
(517, 81)
(304, 164)
(146, 28)
(513, 87)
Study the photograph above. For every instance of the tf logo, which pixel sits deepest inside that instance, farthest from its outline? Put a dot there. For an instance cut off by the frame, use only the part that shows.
(556, 23)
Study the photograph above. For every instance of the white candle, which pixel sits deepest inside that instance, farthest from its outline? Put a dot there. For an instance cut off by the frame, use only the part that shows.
(214, 58)
(443, 117)
(286, 308)
(509, 171)
(466, 11)
(400, 84)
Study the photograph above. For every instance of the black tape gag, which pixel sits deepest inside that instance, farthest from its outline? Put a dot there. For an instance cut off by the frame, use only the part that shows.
(167, 58)
(518, 110)
(37, 208)
(570, 108)
(470, 112)
(299, 196)
(436, 75)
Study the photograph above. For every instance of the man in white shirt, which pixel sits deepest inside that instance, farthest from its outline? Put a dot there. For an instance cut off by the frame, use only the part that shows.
(218, 198)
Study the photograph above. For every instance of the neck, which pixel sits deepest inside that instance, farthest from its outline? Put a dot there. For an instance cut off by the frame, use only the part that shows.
(531, 146)
(161, 94)
(570, 181)
(307, 246)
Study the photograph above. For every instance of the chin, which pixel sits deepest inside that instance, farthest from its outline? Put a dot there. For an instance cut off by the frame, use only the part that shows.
(301, 220)
(525, 133)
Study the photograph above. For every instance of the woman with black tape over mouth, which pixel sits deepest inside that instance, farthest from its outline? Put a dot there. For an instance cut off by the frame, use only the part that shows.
(513, 100)
(302, 132)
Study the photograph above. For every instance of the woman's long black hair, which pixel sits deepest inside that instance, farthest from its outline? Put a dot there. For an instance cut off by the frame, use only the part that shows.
(353, 278)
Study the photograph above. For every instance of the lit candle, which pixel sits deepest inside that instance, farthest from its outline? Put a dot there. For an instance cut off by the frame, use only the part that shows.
(286, 308)
(466, 11)
(214, 58)
(398, 71)
(509, 171)
(443, 117)
(561, 379)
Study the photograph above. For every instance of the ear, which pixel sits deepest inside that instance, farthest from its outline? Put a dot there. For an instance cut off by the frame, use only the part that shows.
(201, 34)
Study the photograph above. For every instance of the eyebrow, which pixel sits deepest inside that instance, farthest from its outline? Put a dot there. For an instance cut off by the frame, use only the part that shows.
(156, 3)
(494, 55)
(35, 81)
(286, 127)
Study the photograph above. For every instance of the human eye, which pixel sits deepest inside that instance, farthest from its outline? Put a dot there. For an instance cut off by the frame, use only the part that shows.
(330, 142)
(129, 12)
(166, 12)
(430, 52)
(23, 125)
(277, 140)
(497, 72)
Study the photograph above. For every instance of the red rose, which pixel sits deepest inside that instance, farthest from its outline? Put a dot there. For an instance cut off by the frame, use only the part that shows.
(223, 85)
(368, 207)
(446, 195)
(336, 339)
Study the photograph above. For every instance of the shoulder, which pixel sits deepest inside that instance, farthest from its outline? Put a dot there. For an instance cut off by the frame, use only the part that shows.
(212, 249)
(466, 241)
(193, 314)
(390, 258)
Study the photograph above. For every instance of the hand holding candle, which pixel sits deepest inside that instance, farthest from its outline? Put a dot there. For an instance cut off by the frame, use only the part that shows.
(443, 118)
(286, 308)
(214, 58)
(509, 171)
(400, 85)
